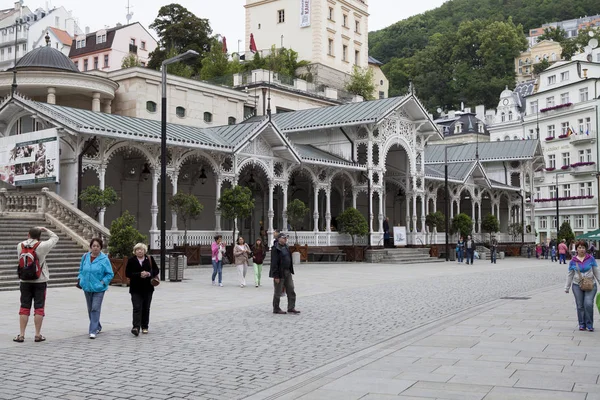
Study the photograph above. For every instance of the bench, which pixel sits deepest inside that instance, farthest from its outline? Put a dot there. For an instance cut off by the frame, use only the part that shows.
(332, 254)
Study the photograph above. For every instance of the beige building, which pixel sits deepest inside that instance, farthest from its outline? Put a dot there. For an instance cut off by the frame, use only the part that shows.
(544, 50)
(382, 85)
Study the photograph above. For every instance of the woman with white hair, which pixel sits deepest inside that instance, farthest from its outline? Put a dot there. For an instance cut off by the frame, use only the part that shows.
(142, 272)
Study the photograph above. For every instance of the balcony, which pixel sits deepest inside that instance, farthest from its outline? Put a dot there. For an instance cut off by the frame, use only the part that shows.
(583, 138)
(586, 169)
(590, 201)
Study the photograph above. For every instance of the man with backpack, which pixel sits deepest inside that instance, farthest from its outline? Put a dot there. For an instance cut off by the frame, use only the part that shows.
(34, 275)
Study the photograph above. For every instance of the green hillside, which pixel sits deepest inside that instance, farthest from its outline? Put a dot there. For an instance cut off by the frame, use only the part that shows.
(444, 49)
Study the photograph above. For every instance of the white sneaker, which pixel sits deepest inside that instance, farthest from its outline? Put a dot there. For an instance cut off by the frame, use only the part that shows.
(220, 284)
(257, 285)
(214, 283)
(92, 336)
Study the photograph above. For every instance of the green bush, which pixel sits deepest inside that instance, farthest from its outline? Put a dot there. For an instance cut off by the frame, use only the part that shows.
(353, 223)
(123, 236)
(462, 224)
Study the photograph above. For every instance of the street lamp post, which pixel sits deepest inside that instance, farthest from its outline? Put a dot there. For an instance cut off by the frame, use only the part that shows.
(447, 205)
(557, 220)
(163, 157)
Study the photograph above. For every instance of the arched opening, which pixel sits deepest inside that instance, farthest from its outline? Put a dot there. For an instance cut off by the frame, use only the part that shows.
(253, 176)
(397, 173)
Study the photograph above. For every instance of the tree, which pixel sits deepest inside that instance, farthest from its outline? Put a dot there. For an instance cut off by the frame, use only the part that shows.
(461, 224)
(187, 208)
(565, 232)
(215, 63)
(97, 199)
(179, 30)
(296, 212)
(515, 230)
(490, 224)
(131, 61)
(541, 66)
(352, 222)
(361, 83)
(235, 203)
(435, 220)
(557, 34)
(123, 236)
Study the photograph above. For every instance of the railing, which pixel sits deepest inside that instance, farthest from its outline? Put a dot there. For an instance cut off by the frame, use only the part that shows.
(583, 137)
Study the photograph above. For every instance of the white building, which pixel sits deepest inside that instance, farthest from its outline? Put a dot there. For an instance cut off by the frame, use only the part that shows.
(105, 49)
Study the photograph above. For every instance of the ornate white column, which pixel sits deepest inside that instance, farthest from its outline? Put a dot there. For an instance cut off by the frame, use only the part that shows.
(284, 187)
(354, 197)
(316, 208)
(96, 102)
(473, 213)
(423, 205)
(328, 210)
(107, 107)
(380, 212)
(154, 234)
(271, 213)
(414, 214)
(408, 201)
(174, 182)
(435, 204)
(51, 98)
(102, 176)
(219, 182)
(479, 217)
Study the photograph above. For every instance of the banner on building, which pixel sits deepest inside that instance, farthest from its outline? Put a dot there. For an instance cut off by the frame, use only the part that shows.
(304, 13)
(400, 236)
(30, 158)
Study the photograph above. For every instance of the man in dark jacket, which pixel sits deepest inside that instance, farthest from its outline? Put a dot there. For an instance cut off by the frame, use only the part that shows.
(282, 269)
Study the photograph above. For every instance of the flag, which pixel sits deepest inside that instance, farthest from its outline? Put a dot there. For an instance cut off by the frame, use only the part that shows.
(587, 131)
(252, 44)
(569, 131)
(224, 45)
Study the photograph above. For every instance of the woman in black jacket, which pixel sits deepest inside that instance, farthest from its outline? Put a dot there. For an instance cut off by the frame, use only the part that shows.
(142, 272)
(259, 252)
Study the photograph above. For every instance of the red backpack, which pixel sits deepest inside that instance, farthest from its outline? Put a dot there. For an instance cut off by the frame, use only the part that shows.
(29, 264)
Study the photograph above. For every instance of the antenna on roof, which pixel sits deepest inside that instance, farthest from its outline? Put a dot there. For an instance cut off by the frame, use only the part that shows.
(269, 98)
(129, 12)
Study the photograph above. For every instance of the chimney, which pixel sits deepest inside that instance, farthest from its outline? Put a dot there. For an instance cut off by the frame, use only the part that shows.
(468, 110)
(17, 5)
(451, 114)
(87, 30)
(480, 112)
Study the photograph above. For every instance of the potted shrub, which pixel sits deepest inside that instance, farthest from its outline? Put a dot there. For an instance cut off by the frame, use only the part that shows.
(188, 208)
(352, 222)
(123, 236)
(435, 220)
(490, 225)
(296, 212)
(235, 203)
(98, 199)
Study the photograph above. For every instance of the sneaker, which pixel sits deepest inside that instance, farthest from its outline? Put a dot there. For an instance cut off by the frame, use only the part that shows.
(99, 331)
(220, 284)
(214, 283)
(581, 328)
(92, 336)
(257, 285)
(145, 331)
(135, 331)
(590, 329)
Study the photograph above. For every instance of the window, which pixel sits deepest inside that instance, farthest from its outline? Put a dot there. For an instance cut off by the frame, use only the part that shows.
(76, 62)
(592, 220)
(580, 126)
(9, 51)
(151, 106)
(550, 101)
(589, 189)
(503, 117)
(533, 107)
(552, 80)
(57, 22)
(552, 191)
(357, 26)
(480, 128)
(564, 98)
(345, 21)
(95, 62)
(207, 117)
(583, 94)
(281, 16)
(381, 94)
(564, 76)
(510, 115)
(582, 156)
(531, 134)
(566, 159)
(85, 64)
(458, 128)
(506, 137)
(231, 120)
(551, 161)
(132, 42)
(538, 193)
(330, 48)
(588, 125)
(143, 45)
(330, 14)
(553, 223)
(344, 53)
(582, 189)
(564, 127)
(180, 112)
(551, 130)
(142, 63)
(101, 39)
(543, 223)
(588, 155)
(25, 47)
(357, 58)
(567, 190)
(106, 61)
(579, 220)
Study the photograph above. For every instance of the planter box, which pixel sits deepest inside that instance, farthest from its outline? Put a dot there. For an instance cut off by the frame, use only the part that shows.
(354, 253)
(303, 250)
(191, 252)
(119, 265)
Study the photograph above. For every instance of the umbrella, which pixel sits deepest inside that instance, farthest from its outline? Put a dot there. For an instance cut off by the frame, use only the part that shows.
(252, 44)
(224, 44)
(593, 235)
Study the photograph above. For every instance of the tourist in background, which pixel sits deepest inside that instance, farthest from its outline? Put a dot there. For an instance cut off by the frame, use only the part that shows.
(217, 252)
(553, 253)
(95, 274)
(583, 265)
(241, 254)
(562, 252)
(141, 271)
(470, 249)
(258, 257)
(494, 249)
(460, 250)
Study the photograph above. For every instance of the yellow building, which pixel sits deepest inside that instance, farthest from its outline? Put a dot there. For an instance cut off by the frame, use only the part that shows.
(546, 49)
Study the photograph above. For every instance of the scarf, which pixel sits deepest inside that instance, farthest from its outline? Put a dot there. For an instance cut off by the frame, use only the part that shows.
(584, 266)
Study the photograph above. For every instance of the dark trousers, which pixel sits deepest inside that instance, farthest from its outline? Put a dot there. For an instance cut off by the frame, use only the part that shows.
(141, 309)
(493, 256)
(470, 254)
(286, 282)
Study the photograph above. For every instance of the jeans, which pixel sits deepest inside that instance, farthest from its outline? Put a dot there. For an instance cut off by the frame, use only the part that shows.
(94, 305)
(470, 255)
(242, 269)
(286, 282)
(257, 273)
(493, 256)
(585, 305)
(460, 255)
(217, 269)
(141, 309)
(563, 258)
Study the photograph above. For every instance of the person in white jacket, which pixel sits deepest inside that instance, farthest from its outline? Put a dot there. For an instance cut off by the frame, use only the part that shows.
(35, 290)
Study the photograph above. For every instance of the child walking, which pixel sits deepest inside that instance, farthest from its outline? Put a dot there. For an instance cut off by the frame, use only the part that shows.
(259, 252)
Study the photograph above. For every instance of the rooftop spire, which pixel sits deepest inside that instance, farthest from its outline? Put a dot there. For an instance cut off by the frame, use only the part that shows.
(47, 39)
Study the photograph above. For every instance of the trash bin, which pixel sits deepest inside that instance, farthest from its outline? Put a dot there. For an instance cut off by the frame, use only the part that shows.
(177, 263)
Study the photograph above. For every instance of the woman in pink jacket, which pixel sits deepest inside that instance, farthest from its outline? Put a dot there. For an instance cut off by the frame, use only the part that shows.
(217, 252)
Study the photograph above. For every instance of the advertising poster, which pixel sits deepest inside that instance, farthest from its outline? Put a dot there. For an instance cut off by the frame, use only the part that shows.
(304, 13)
(30, 158)
(400, 236)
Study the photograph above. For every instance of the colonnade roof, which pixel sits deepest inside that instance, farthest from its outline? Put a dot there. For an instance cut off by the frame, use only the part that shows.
(508, 150)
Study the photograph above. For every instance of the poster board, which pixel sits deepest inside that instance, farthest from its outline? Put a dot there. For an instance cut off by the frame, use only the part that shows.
(30, 158)
(400, 236)
(304, 13)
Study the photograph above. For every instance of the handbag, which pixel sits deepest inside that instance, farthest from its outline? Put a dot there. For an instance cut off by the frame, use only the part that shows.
(585, 283)
(155, 281)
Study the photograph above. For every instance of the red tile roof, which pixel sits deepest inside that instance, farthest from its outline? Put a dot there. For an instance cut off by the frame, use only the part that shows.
(63, 36)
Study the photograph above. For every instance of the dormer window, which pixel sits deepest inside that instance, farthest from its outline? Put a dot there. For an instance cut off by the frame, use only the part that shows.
(510, 115)
(101, 38)
(458, 128)
(502, 117)
(480, 128)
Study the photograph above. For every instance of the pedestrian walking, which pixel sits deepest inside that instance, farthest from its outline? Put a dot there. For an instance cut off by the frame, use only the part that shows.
(460, 250)
(386, 232)
(573, 249)
(470, 249)
(553, 253)
(282, 269)
(494, 249)
(562, 252)
(582, 269)
(34, 290)
(258, 257)
(544, 250)
(95, 274)
(538, 250)
(217, 252)
(142, 272)
(241, 254)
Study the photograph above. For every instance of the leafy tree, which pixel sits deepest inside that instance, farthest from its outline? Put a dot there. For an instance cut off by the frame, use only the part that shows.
(296, 212)
(179, 30)
(435, 220)
(97, 199)
(235, 203)
(215, 63)
(490, 224)
(283, 61)
(515, 230)
(123, 236)
(541, 66)
(131, 61)
(565, 232)
(361, 83)
(187, 208)
(557, 34)
(461, 224)
(352, 222)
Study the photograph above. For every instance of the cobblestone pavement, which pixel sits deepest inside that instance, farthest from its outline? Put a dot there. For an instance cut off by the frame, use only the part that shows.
(224, 343)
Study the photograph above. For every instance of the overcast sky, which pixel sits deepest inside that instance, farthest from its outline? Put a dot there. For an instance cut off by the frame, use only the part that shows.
(226, 16)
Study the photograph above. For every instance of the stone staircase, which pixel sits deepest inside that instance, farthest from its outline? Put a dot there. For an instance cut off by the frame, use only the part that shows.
(63, 260)
(407, 256)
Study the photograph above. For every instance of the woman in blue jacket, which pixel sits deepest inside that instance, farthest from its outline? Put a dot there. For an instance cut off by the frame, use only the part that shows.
(95, 274)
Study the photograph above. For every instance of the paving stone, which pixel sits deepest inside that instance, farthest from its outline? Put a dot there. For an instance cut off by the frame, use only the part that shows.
(509, 393)
(450, 391)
